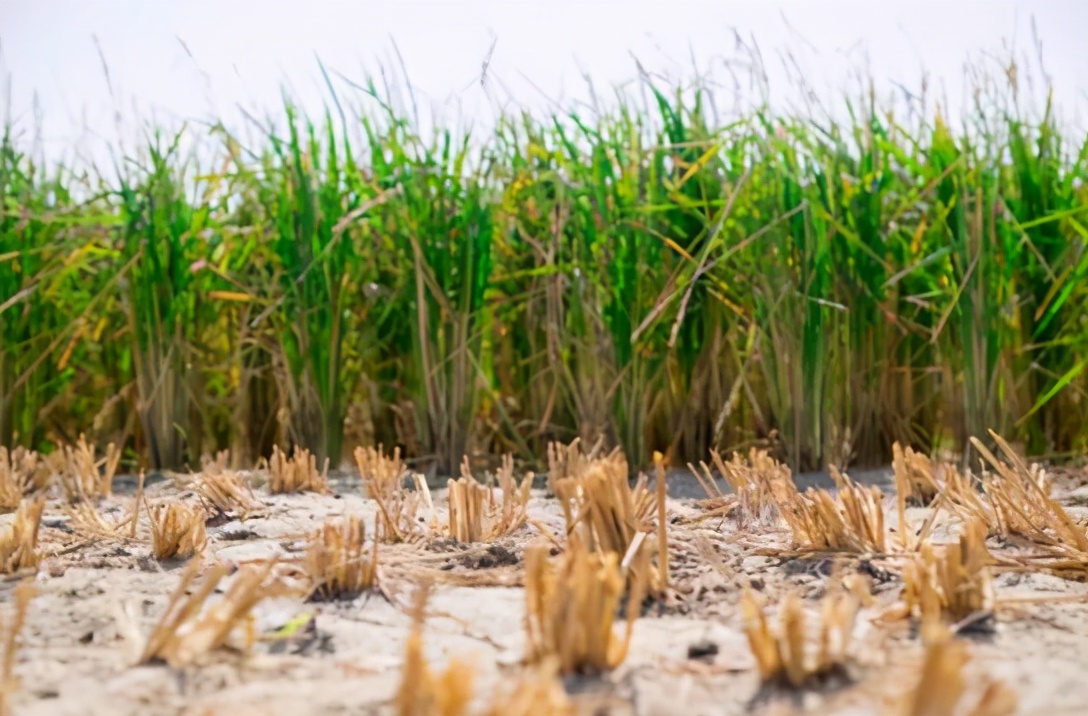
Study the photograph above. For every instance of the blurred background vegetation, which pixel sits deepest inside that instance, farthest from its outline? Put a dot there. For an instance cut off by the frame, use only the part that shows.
(646, 274)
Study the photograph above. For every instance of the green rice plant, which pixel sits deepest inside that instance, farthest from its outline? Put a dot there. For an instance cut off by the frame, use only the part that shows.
(441, 231)
(820, 282)
(44, 299)
(315, 199)
(162, 239)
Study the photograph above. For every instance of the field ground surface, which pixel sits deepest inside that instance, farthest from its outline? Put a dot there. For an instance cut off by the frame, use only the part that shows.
(98, 599)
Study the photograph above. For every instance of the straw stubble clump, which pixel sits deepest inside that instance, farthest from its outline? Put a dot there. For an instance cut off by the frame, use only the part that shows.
(177, 531)
(476, 515)
(795, 653)
(82, 473)
(193, 624)
(424, 692)
(849, 520)
(571, 607)
(19, 540)
(399, 508)
(338, 563)
(943, 687)
(952, 583)
(606, 514)
(23, 473)
(225, 493)
(298, 473)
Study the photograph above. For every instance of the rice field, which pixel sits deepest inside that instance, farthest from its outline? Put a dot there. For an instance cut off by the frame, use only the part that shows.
(334, 415)
(649, 275)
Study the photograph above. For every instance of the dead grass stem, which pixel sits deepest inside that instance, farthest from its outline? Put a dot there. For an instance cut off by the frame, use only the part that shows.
(10, 627)
(189, 629)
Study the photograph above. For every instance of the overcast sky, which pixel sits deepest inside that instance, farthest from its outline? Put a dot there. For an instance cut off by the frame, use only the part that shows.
(178, 60)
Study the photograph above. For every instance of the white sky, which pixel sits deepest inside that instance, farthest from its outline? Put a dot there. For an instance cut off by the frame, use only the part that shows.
(243, 52)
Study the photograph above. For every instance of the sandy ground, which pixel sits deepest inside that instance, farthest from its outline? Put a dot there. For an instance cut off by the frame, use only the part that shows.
(99, 598)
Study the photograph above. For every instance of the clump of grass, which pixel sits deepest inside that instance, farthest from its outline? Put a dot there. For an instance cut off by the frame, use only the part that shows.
(942, 685)
(851, 520)
(571, 607)
(398, 507)
(788, 655)
(190, 629)
(82, 474)
(19, 540)
(474, 513)
(9, 642)
(759, 483)
(953, 583)
(177, 531)
(338, 563)
(22, 473)
(296, 474)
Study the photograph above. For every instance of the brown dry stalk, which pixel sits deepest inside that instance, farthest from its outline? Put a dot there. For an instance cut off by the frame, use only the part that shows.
(398, 507)
(9, 642)
(337, 562)
(570, 461)
(177, 531)
(942, 685)
(298, 473)
(19, 540)
(22, 473)
(83, 475)
(226, 493)
(606, 512)
(219, 464)
(851, 520)
(187, 631)
(474, 513)
(759, 483)
(785, 655)
(571, 607)
(86, 519)
(950, 583)
(421, 691)
(381, 474)
(1021, 505)
(538, 692)
(515, 497)
(915, 476)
